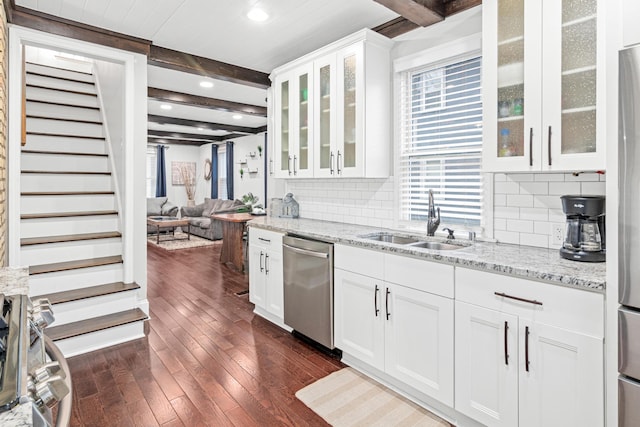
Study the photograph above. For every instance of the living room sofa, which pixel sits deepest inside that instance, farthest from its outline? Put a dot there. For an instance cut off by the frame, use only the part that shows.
(200, 216)
(159, 206)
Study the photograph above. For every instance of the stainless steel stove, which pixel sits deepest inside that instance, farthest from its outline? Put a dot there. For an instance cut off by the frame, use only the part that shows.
(33, 371)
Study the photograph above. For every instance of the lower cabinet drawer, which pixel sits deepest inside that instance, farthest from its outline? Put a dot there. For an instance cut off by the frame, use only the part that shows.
(419, 274)
(358, 260)
(265, 238)
(569, 308)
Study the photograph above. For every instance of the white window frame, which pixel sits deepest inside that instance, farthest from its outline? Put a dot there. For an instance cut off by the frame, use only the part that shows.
(444, 54)
(222, 166)
(152, 151)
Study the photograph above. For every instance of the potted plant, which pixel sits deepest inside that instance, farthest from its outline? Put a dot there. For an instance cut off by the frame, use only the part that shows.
(241, 173)
(260, 150)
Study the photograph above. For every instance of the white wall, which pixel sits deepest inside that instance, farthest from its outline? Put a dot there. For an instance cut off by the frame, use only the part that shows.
(251, 182)
(182, 153)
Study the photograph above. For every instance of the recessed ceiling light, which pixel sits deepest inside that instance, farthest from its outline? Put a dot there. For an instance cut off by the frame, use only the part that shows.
(237, 116)
(257, 14)
(201, 129)
(206, 83)
(166, 106)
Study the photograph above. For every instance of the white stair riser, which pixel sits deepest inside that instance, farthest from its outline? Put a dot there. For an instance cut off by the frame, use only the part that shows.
(66, 226)
(101, 339)
(62, 281)
(46, 182)
(49, 95)
(58, 72)
(58, 127)
(75, 311)
(59, 162)
(62, 112)
(55, 83)
(69, 251)
(60, 143)
(44, 204)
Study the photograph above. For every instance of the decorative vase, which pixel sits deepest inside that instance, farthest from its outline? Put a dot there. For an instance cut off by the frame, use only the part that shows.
(191, 203)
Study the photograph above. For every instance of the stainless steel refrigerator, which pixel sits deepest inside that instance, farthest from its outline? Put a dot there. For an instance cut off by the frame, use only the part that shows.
(629, 239)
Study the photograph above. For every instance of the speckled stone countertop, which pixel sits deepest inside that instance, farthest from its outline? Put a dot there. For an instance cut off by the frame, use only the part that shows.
(15, 281)
(520, 261)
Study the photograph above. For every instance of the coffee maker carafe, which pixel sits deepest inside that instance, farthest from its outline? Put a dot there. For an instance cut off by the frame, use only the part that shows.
(584, 238)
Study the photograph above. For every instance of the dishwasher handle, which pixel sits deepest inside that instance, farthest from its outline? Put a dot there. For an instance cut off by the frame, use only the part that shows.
(306, 251)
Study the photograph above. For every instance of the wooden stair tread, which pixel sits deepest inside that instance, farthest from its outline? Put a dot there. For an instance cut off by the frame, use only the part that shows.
(65, 136)
(66, 193)
(28, 241)
(63, 119)
(64, 153)
(66, 214)
(75, 92)
(88, 292)
(95, 324)
(57, 68)
(74, 265)
(65, 172)
(62, 104)
(68, 79)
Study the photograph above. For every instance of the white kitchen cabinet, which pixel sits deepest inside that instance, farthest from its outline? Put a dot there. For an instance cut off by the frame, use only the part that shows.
(543, 85)
(396, 328)
(533, 360)
(348, 110)
(266, 273)
(630, 27)
(294, 124)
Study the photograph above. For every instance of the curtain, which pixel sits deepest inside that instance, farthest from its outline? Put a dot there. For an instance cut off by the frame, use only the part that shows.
(161, 173)
(214, 171)
(230, 170)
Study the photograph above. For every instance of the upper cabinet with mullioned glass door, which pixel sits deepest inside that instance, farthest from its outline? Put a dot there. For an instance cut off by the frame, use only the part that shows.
(293, 155)
(350, 102)
(543, 85)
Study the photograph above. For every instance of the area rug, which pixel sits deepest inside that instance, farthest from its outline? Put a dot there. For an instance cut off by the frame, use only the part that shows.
(347, 398)
(169, 243)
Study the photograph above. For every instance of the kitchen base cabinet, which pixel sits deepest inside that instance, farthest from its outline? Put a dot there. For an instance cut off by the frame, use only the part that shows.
(265, 274)
(399, 330)
(527, 354)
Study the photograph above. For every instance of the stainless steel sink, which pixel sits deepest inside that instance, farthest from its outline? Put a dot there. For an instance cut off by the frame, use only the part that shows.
(439, 246)
(390, 238)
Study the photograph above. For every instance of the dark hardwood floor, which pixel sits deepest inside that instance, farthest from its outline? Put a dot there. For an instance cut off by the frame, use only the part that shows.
(207, 360)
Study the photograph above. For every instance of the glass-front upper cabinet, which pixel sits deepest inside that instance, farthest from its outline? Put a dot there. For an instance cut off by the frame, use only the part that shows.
(293, 123)
(325, 112)
(541, 85)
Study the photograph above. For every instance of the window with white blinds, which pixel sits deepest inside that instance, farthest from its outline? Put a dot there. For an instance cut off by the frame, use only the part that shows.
(152, 153)
(441, 142)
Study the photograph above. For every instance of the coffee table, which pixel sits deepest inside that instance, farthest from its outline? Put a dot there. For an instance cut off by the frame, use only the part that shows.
(172, 222)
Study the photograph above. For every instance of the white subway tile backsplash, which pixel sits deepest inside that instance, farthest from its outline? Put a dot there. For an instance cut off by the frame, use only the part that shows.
(534, 188)
(534, 214)
(500, 224)
(562, 188)
(556, 215)
(520, 200)
(542, 227)
(520, 177)
(506, 188)
(594, 188)
(506, 212)
(583, 177)
(499, 177)
(538, 240)
(547, 202)
(549, 177)
(507, 237)
(500, 200)
(520, 226)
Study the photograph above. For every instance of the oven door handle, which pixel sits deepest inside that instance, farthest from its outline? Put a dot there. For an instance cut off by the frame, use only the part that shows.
(64, 407)
(306, 251)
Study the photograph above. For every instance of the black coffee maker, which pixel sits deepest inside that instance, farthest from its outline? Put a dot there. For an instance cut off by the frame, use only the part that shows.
(584, 238)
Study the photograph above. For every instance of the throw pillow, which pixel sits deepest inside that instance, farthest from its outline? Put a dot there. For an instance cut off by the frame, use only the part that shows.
(154, 205)
(210, 205)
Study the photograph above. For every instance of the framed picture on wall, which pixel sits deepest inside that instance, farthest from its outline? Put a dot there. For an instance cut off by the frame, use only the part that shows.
(176, 171)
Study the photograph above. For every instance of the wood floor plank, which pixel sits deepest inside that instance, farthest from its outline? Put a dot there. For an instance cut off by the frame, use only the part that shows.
(208, 359)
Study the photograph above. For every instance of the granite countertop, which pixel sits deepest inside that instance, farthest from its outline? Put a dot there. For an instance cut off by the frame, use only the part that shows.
(15, 281)
(520, 261)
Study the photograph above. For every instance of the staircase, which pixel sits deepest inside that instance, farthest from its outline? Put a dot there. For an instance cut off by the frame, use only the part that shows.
(69, 227)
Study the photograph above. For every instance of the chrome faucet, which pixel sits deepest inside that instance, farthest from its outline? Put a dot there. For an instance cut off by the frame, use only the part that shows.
(433, 221)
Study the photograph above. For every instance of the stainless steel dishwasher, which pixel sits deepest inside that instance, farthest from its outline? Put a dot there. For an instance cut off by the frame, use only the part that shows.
(308, 288)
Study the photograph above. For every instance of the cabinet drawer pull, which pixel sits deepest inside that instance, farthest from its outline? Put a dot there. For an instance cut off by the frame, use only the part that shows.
(264, 240)
(295, 160)
(289, 165)
(261, 267)
(549, 147)
(506, 343)
(271, 167)
(530, 146)
(338, 163)
(526, 348)
(331, 164)
(386, 303)
(375, 300)
(266, 263)
(530, 301)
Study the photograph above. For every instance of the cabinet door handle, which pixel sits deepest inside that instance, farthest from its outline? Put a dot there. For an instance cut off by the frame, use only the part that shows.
(270, 166)
(266, 263)
(530, 146)
(375, 301)
(506, 343)
(386, 303)
(261, 267)
(338, 163)
(289, 165)
(264, 240)
(526, 348)
(530, 301)
(295, 170)
(331, 164)
(549, 146)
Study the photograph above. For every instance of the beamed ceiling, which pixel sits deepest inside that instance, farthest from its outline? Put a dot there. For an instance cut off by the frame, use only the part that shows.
(188, 41)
